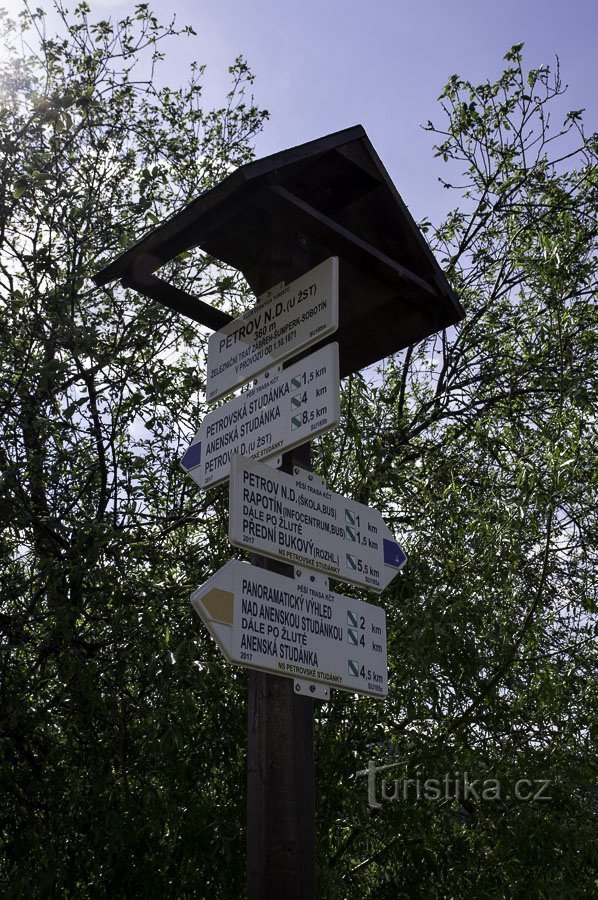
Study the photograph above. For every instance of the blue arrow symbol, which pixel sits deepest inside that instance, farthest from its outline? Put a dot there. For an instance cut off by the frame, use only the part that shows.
(192, 457)
(393, 555)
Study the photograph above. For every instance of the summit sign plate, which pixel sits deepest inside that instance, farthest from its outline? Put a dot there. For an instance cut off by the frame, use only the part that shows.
(277, 328)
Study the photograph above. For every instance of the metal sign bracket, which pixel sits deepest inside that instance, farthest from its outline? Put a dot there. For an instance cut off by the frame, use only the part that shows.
(311, 689)
(275, 461)
(304, 687)
(313, 479)
(267, 295)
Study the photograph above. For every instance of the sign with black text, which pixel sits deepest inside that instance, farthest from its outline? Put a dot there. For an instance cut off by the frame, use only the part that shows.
(295, 628)
(286, 410)
(296, 519)
(276, 329)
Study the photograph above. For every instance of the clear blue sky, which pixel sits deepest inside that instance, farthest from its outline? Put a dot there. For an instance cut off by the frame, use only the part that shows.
(323, 65)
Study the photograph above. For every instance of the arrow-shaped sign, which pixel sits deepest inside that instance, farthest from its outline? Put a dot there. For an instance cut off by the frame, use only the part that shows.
(291, 407)
(295, 628)
(295, 518)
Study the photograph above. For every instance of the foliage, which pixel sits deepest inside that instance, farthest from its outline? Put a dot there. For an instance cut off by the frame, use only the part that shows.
(123, 732)
(111, 698)
(478, 445)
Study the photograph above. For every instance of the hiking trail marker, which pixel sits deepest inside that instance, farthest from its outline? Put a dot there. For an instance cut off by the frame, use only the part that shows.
(295, 627)
(296, 519)
(285, 410)
(277, 328)
(276, 219)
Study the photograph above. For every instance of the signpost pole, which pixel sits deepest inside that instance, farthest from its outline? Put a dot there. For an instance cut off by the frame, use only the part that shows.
(280, 747)
(275, 220)
(280, 773)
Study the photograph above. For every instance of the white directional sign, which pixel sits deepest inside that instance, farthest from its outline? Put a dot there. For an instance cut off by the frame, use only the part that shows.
(294, 628)
(294, 518)
(291, 407)
(297, 316)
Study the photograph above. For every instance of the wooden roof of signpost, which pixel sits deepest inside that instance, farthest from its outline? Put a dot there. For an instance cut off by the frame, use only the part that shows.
(332, 197)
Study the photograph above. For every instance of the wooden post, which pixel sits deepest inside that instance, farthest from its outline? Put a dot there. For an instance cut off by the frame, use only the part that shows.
(280, 774)
(280, 746)
(275, 219)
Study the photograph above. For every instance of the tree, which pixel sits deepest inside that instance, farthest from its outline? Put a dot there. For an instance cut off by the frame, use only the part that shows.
(114, 763)
(477, 444)
(123, 732)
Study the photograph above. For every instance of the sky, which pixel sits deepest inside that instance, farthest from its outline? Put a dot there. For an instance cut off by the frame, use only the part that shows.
(324, 65)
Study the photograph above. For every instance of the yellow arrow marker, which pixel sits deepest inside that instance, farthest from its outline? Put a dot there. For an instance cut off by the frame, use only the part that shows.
(219, 605)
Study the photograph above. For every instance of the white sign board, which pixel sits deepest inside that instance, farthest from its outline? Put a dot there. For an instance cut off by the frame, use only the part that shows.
(297, 316)
(288, 409)
(294, 518)
(266, 621)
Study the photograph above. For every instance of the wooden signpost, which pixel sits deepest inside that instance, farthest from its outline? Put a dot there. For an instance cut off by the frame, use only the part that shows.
(326, 220)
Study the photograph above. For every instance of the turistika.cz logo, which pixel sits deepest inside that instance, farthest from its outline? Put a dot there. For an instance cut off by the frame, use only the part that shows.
(451, 786)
